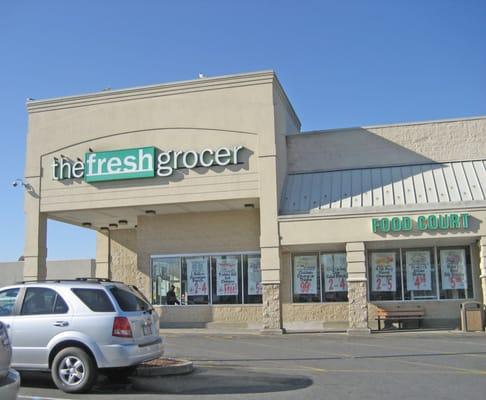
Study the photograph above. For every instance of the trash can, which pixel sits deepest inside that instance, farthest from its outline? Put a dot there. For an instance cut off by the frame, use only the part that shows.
(472, 318)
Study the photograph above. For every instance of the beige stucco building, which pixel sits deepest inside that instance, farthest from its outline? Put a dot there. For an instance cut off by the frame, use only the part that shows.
(209, 185)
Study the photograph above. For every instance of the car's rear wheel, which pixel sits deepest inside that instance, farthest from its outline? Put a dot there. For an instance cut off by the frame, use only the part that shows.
(73, 370)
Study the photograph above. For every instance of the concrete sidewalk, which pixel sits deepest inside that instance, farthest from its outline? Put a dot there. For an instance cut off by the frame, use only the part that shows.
(253, 332)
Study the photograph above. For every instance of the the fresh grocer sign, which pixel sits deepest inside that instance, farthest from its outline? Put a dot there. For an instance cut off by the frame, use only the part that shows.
(432, 222)
(142, 162)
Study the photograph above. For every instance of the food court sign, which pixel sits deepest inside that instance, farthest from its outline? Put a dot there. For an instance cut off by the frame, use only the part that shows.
(432, 222)
(142, 162)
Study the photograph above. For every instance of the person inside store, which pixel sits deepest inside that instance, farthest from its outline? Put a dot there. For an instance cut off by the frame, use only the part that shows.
(171, 297)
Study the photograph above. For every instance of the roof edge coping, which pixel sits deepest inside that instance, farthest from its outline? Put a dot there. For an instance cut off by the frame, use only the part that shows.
(38, 105)
(426, 122)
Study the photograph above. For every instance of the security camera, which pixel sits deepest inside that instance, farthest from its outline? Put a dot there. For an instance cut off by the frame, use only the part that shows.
(18, 182)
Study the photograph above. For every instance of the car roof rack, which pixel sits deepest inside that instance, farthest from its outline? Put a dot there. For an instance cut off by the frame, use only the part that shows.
(39, 281)
(89, 279)
(83, 279)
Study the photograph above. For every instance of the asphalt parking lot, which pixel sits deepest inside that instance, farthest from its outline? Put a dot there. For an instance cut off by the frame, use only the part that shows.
(306, 366)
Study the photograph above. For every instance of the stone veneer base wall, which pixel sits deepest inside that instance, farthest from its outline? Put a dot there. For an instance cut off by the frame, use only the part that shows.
(358, 304)
(271, 307)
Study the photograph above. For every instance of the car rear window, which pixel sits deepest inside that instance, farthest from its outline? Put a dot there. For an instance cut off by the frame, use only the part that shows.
(95, 299)
(129, 301)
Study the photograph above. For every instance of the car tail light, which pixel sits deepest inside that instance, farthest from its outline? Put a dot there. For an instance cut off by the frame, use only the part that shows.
(3, 335)
(121, 327)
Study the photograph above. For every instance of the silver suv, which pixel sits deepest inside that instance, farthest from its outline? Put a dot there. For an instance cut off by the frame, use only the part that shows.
(75, 328)
(9, 379)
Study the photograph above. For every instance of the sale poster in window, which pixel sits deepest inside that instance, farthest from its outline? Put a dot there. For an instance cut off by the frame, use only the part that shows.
(453, 269)
(226, 276)
(383, 272)
(419, 270)
(305, 275)
(197, 276)
(335, 272)
(254, 276)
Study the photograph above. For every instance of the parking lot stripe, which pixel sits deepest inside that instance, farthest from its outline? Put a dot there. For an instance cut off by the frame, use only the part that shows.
(339, 371)
(442, 367)
(41, 398)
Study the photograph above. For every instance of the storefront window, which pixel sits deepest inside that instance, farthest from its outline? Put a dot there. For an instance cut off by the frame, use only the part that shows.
(319, 277)
(252, 276)
(195, 279)
(424, 273)
(306, 280)
(226, 279)
(201, 279)
(334, 274)
(420, 281)
(165, 272)
(385, 275)
(455, 273)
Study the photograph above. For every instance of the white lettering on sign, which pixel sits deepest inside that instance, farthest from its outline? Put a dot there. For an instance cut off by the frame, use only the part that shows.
(169, 161)
(78, 169)
(141, 162)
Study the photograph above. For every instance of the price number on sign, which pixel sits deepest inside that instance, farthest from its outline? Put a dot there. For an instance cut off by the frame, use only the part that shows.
(258, 288)
(384, 284)
(229, 289)
(333, 285)
(200, 288)
(419, 281)
(305, 286)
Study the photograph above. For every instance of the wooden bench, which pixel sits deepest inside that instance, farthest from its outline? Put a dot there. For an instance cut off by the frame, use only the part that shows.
(400, 313)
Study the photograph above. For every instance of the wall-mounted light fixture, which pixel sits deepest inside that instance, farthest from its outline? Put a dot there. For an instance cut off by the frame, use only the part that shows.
(19, 181)
(123, 222)
(150, 212)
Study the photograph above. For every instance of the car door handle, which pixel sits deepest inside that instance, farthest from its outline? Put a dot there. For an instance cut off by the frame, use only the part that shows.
(61, 323)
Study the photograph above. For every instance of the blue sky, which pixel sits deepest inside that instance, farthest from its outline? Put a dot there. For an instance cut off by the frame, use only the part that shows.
(342, 63)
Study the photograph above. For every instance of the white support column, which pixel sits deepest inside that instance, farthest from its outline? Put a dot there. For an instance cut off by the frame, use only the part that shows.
(35, 245)
(270, 246)
(272, 313)
(103, 254)
(357, 288)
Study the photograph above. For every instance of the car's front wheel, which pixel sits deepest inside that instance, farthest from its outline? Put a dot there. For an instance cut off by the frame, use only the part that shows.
(73, 370)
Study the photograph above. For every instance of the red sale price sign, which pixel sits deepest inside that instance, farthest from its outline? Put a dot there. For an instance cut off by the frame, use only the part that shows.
(453, 269)
(226, 276)
(305, 275)
(383, 272)
(335, 272)
(418, 269)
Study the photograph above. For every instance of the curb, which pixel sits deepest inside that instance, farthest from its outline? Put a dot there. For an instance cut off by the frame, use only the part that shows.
(182, 367)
